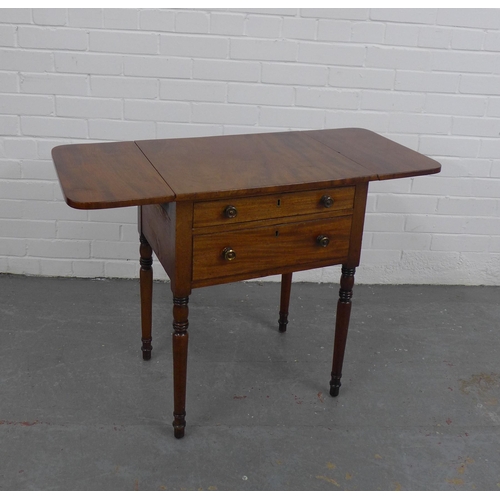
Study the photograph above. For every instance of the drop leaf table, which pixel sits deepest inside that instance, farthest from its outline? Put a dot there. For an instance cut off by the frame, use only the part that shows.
(229, 208)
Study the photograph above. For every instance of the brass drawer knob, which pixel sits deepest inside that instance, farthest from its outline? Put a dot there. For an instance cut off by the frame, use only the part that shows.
(230, 212)
(323, 241)
(326, 201)
(228, 253)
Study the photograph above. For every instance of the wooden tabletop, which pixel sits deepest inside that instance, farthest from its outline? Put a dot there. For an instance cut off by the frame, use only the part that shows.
(163, 170)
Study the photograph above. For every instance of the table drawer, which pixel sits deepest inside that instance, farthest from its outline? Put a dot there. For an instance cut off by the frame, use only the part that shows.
(246, 251)
(233, 210)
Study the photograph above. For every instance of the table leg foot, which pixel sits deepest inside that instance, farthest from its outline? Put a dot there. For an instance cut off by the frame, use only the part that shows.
(282, 322)
(179, 424)
(146, 285)
(335, 386)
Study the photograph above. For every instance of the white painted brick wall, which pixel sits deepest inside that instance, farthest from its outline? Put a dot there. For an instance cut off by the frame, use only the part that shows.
(427, 78)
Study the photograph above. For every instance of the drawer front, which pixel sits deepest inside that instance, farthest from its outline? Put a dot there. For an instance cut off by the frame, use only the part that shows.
(233, 210)
(246, 251)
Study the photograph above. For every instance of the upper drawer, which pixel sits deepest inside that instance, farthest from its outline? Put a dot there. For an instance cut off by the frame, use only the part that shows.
(232, 210)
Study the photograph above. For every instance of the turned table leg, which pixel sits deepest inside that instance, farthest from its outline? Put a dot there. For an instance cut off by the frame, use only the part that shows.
(341, 327)
(286, 286)
(146, 284)
(180, 348)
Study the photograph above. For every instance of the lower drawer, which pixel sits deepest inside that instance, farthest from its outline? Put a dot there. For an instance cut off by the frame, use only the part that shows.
(247, 251)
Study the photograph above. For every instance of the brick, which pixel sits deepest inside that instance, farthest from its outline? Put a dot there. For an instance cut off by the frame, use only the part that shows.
(125, 19)
(194, 46)
(12, 246)
(83, 230)
(189, 90)
(334, 31)
(126, 269)
(391, 186)
(294, 74)
(384, 222)
(467, 39)
(490, 148)
(492, 40)
(55, 267)
(126, 215)
(449, 146)
(368, 32)
(292, 117)
(480, 84)
(53, 127)
(50, 84)
(52, 210)
(402, 35)
(468, 206)
(117, 130)
(88, 268)
(453, 224)
(23, 265)
(421, 81)
(469, 18)
(362, 78)
(266, 50)
(45, 146)
(298, 28)
(124, 43)
(392, 101)
(50, 17)
(227, 24)
(483, 127)
(145, 88)
(401, 241)
(260, 94)
(376, 122)
(335, 13)
(263, 26)
(411, 123)
(128, 232)
(494, 246)
(85, 18)
(495, 169)
(52, 38)
(269, 11)
(159, 111)
(192, 22)
(17, 104)
(58, 248)
(114, 250)
(179, 130)
(250, 129)
(10, 169)
(406, 204)
(20, 147)
(157, 20)
(38, 169)
(327, 98)
(20, 228)
(26, 190)
(9, 125)
(434, 37)
(343, 55)
(225, 113)
(464, 167)
(376, 257)
(26, 60)
(7, 36)
(455, 105)
(16, 16)
(397, 58)
(238, 71)
(438, 185)
(409, 141)
(493, 106)
(162, 67)
(12, 209)
(466, 62)
(8, 82)
(418, 16)
(102, 64)
(88, 107)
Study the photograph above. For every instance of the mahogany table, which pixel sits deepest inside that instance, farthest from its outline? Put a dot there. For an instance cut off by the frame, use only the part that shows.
(229, 208)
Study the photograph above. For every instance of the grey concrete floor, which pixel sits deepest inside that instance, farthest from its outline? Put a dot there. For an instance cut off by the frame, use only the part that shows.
(80, 410)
